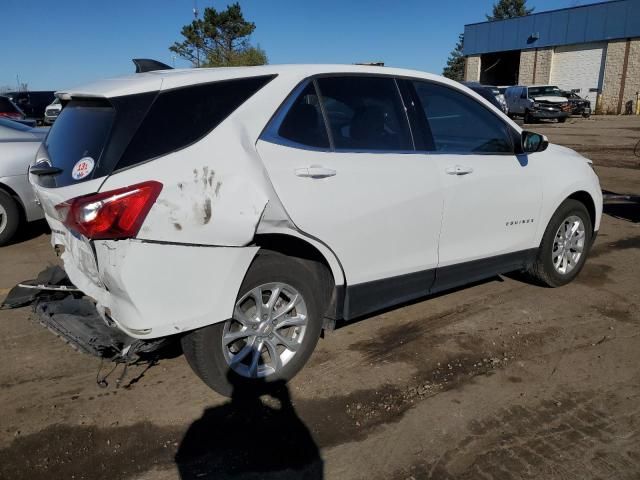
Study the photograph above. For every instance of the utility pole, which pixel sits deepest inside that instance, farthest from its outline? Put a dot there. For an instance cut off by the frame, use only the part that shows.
(195, 16)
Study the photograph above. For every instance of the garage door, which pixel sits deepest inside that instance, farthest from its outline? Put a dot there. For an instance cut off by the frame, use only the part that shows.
(579, 68)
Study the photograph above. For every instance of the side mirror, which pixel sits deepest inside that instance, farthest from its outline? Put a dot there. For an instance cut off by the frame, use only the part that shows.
(523, 94)
(533, 142)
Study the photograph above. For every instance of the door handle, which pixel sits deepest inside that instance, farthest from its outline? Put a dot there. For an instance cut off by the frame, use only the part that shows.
(315, 171)
(459, 170)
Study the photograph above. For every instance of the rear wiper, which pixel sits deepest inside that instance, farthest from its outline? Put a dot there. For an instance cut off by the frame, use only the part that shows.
(44, 170)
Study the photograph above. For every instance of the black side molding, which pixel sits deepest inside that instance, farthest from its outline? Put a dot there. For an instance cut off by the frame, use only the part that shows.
(148, 65)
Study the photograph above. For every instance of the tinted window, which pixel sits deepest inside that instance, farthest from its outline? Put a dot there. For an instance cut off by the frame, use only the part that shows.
(180, 117)
(304, 123)
(460, 124)
(6, 105)
(80, 131)
(365, 113)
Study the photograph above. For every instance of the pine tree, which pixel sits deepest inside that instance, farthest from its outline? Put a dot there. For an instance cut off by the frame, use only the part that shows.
(455, 63)
(219, 39)
(509, 9)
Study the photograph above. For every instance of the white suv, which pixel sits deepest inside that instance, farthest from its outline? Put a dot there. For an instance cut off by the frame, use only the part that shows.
(246, 209)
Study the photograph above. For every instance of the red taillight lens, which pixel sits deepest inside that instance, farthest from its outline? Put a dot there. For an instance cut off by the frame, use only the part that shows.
(111, 215)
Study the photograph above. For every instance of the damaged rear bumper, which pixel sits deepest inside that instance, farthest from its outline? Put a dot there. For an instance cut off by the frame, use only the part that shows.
(66, 312)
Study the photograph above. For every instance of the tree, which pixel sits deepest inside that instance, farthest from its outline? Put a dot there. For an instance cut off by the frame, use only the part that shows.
(455, 63)
(509, 9)
(219, 39)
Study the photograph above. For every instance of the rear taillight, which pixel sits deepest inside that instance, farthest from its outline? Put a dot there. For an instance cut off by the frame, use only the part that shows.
(113, 215)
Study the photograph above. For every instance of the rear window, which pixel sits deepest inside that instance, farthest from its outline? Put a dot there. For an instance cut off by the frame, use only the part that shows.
(80, 132)
(6, 105)
(183, 116)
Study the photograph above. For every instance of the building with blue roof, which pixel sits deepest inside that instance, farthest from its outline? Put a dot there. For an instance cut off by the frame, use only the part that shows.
(593, 50)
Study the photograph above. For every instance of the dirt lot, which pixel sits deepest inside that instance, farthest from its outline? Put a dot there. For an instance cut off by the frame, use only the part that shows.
(500, 380)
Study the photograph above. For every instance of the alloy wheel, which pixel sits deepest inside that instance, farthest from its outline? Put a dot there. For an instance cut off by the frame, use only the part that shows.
(267, 329)
(568, 245)
(3, 219)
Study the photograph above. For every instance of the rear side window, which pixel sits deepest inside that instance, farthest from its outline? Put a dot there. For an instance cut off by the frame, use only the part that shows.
(80, 132)
(460, 124)
(365, 113)
(180, 117)
(303, 123)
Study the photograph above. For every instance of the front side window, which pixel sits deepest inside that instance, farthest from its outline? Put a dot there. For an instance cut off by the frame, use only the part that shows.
(303, 122)
(460, 124)
(365, 113)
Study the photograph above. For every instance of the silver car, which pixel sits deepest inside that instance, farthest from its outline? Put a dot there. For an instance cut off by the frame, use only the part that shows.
(18, 146)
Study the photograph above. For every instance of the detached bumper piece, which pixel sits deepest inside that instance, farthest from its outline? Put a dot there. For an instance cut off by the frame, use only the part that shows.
(65, 311)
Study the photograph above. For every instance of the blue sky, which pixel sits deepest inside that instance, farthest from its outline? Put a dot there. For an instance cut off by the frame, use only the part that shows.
(58, 44)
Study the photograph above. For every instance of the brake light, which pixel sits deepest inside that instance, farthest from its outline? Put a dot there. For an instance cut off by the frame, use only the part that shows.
(116, 214)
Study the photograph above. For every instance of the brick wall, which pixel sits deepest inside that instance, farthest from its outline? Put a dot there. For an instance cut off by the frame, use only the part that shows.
(472, 68)
(543, 66)
(612, 77)
(535, 66)
(632, 79)
(527, 60)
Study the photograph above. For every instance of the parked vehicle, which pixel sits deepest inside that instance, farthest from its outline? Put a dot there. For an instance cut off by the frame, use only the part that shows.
(33, 103)
(488, 93)
(579, 105)
(245, 210)
(52, 111)
(18, 146)
(10, 110)
(537, 102)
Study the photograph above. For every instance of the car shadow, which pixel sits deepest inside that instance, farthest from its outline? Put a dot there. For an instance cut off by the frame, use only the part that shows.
(257, 434)
(29, 231)
(622, 206)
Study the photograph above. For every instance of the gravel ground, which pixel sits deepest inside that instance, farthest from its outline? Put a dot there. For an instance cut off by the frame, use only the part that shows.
(500, 380)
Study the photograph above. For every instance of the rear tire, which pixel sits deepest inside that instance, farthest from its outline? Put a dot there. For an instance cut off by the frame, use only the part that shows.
(562, 119)
(218, 365)
(560, 241)
(9, 217)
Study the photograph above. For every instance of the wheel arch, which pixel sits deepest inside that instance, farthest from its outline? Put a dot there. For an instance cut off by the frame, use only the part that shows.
(587, 200)
(295, 245)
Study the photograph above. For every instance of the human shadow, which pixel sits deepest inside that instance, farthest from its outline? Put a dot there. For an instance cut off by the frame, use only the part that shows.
(257, 434)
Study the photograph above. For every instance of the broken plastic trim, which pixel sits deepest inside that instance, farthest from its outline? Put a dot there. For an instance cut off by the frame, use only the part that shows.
(65, 311)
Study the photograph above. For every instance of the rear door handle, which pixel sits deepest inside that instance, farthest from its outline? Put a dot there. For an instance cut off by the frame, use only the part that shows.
(459, 170)
(315, 171)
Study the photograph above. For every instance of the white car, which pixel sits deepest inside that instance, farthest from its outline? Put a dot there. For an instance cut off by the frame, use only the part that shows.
(52, 111)
(247, 209)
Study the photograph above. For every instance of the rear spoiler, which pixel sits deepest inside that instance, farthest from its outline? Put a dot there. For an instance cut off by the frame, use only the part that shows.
(148, 65)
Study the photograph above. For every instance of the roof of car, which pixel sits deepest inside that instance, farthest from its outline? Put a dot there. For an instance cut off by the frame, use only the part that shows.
(167, 79)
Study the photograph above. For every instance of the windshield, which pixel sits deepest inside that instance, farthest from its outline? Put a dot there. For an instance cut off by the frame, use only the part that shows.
(549, 91)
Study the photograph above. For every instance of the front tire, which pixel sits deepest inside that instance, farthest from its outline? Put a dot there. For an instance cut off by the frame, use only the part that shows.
(564, 247)
(9, 218)
(528, 118)
(562, 119)
(275, 327)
